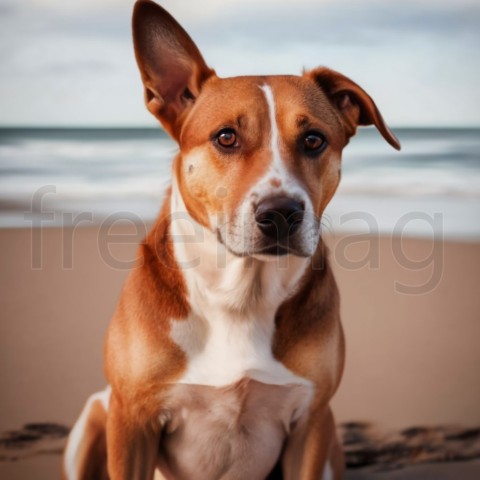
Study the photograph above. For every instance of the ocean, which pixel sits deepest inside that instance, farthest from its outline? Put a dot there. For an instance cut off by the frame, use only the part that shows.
(54, 177)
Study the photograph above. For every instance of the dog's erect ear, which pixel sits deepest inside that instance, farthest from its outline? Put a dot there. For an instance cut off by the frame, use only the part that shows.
(170, 63)
(353, 103)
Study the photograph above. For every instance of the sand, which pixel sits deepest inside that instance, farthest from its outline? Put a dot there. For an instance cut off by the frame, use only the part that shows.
(412, 354)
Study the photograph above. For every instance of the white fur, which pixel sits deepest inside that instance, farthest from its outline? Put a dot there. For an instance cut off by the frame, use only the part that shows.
(233, 300)
(76, 435)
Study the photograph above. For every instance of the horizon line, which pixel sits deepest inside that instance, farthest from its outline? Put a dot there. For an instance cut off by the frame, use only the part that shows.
(159, 127)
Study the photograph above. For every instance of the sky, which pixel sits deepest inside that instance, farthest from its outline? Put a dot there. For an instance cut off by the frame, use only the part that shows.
(70, 63)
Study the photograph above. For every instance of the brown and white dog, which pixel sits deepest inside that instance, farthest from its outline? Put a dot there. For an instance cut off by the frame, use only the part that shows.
(226, 346)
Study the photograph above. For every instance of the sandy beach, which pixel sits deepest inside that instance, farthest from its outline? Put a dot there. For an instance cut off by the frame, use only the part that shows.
(410, 311)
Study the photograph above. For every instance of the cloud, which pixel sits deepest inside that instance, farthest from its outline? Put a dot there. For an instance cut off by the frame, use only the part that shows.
(71, 62)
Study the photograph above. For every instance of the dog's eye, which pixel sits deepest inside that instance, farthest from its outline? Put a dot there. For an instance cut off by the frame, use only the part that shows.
(314, 142)
(227, 138)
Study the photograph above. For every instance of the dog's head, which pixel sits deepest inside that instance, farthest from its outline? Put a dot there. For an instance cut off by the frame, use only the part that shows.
(259, 156)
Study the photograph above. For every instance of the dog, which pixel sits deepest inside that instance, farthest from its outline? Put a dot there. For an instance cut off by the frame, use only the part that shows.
(226, 346)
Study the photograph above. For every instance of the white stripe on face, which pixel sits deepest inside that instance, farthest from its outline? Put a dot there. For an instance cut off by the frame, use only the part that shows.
(276, 158)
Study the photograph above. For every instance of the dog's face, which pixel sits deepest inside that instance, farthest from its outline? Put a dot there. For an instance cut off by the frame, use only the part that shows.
(260, 159)
(259, 156)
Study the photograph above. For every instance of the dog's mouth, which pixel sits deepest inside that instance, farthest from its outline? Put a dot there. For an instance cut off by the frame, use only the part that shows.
(279, 250)
(274, 249)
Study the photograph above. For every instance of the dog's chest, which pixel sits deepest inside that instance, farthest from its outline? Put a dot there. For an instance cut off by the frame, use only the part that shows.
(234, 405)
(230, 432)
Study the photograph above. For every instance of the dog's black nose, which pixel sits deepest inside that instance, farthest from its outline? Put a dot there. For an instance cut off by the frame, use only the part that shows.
(278, 217)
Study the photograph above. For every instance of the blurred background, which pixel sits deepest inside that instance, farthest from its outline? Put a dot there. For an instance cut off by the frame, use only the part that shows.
(73, 113)
(83, 169)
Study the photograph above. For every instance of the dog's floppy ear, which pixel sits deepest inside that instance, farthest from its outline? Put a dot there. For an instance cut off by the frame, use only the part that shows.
(170, 63)
(352, 102)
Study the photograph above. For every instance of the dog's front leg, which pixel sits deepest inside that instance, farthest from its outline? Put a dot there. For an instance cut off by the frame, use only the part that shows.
(312, 451)
(132, 443)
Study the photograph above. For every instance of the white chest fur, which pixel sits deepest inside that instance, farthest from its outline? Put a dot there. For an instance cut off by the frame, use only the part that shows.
(222, 350)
